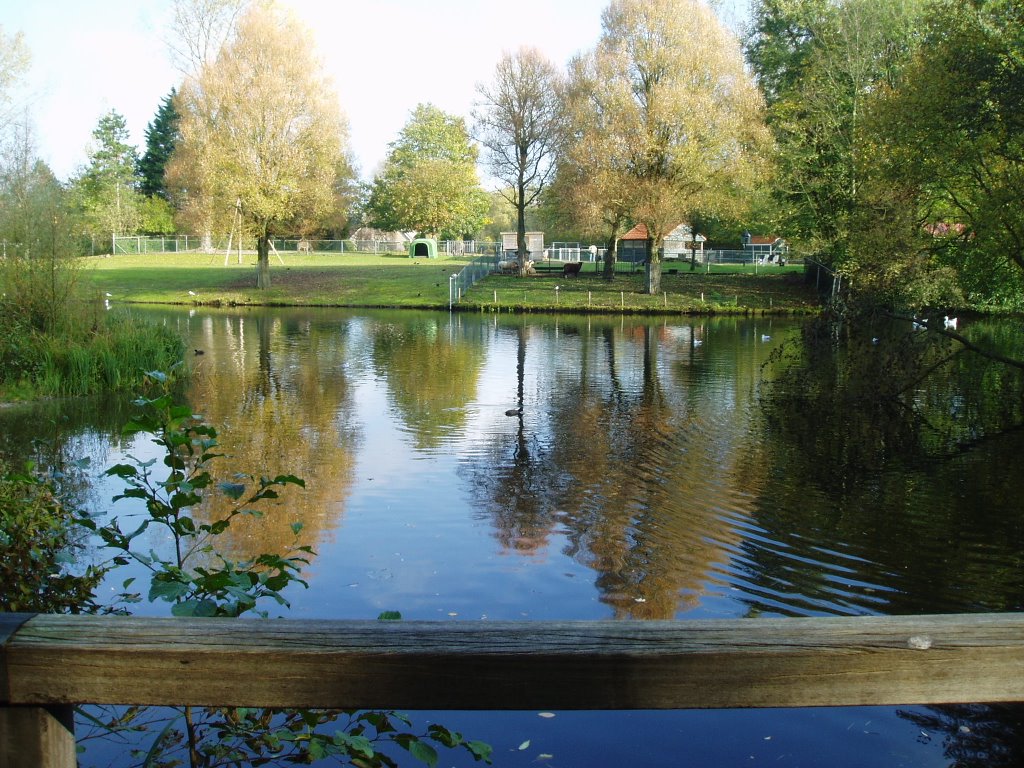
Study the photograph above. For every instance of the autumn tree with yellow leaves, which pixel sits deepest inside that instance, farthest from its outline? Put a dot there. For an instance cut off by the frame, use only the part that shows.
(261, 131)
(669, 122)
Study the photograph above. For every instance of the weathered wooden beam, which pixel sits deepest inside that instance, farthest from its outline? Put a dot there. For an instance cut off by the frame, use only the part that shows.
(517, 665)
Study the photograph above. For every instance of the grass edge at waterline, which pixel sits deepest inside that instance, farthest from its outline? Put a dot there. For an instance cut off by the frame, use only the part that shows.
(396, 281)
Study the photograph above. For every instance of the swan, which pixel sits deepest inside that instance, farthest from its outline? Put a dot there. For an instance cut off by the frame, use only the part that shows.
(949, 323)
(765, 337)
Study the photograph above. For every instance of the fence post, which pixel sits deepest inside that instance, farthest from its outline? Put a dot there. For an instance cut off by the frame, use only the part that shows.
(35, 736)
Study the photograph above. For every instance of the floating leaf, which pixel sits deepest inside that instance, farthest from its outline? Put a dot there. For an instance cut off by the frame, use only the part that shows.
(524, 745)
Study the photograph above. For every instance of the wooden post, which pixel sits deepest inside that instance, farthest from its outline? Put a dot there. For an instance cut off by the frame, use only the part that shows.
(34, 736)
(31, 735)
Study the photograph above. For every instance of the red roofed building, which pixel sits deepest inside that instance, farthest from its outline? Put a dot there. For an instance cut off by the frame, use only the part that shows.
(676, 244)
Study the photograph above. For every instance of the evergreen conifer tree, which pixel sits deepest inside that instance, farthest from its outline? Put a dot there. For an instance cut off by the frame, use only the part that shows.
(161, 138)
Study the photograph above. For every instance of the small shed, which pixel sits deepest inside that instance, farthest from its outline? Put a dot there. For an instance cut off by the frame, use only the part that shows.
(534, 244)
(633, 245)
(423, 248)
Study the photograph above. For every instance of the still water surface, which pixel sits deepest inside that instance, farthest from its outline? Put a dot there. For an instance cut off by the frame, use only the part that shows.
(474, 468)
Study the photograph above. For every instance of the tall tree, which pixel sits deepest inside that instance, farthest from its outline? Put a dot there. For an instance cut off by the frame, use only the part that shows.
(588, 186)
(105, 190)
(161, 136)
(818, 62)
(683, 118)
(517, 123)
(948, 173)
(14, 60)
(261, 130)
(199, 29)
(429, 181)
(37, 271)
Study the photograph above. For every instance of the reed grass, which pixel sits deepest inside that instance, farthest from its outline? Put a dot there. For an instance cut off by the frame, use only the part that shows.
(113, 354)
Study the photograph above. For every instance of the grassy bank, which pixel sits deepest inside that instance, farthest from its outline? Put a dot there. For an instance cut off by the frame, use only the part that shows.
(370, 280)
(683, 292)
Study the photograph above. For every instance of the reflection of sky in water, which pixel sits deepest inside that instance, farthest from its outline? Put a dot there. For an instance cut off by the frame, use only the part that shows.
(634, 484)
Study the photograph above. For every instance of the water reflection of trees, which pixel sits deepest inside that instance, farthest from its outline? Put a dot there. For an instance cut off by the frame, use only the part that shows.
(431, 372)
(57, 435)
(630, 460)
(891, 492)
(275, 386)
(976, 735)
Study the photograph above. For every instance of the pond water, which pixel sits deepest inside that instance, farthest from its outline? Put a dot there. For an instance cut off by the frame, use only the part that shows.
(501, 467)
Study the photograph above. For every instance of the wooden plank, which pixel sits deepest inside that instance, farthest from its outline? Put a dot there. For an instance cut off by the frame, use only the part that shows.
(519, 665)
(31, 736)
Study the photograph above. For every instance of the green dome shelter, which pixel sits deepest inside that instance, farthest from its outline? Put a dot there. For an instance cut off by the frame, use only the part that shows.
(423, 247)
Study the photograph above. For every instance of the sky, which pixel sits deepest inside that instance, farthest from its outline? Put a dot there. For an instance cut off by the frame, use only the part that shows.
(384, 56)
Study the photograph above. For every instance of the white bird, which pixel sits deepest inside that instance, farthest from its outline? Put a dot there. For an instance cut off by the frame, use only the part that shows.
(191, 293)
(697, 342)
(109, 295)
(949, 323)
(765, 337)
(918, 324)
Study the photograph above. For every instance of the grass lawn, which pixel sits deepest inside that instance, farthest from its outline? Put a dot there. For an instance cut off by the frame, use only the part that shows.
(392, 280)
(353, 280)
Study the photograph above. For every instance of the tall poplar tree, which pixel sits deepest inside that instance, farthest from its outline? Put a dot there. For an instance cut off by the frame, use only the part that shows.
(681, 122)
(261, 131)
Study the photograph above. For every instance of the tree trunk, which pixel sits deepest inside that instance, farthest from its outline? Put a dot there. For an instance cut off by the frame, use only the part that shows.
(610, 257)
(263, 261)
(652, 269)
(522, 254)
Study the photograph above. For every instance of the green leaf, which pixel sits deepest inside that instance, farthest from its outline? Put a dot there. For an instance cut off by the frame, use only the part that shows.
(170, 591)
(203, 608)
(232, 490)
(122, 471)
(390, 616)
(480, 750)
(296, 527)
(423, 752)
(282, 479)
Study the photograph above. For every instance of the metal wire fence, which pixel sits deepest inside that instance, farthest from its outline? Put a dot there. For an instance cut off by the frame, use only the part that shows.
(462, 281)
(142, 244)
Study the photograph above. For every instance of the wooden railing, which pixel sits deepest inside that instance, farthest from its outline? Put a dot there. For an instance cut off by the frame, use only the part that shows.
(49, 662)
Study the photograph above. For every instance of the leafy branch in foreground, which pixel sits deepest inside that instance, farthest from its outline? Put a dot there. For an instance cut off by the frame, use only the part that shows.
(199, 580)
